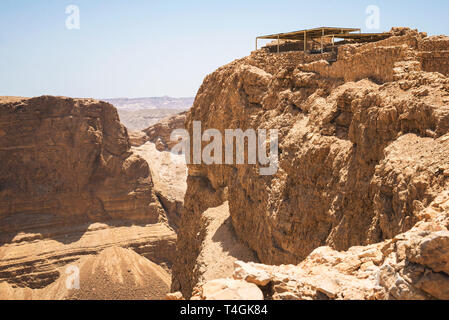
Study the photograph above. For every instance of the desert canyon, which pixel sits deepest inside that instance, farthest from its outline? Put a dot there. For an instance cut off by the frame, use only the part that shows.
(358, 209)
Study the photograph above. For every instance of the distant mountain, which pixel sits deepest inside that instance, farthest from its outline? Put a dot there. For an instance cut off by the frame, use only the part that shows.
(140, 113)
(151, 103)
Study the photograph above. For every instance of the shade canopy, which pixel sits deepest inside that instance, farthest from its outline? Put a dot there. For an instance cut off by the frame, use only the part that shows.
(310, 33)
(362, 36)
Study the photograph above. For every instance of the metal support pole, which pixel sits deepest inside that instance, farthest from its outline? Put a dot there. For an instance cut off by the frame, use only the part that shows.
(256, 44)
(278, 44)
(322, 35)
(305, 42)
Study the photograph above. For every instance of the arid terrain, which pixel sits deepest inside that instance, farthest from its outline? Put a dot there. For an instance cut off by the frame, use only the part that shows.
(358, 209)
(140, 113)
(74, 193)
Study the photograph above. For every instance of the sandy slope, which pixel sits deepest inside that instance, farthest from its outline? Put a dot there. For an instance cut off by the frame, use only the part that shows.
(115, 273)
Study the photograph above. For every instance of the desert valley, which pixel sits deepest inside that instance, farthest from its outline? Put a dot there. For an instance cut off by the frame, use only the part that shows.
(95, 205)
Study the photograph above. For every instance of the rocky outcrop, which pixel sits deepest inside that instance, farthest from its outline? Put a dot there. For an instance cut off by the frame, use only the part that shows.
(228, 289)
(363, 146)
(434, 54)
(159, 133)
(411, 266)
(169, 172)
(137, 138)
(71, 157)
(71, 187)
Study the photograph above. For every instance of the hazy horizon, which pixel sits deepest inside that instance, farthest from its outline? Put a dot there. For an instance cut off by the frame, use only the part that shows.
(159, 48)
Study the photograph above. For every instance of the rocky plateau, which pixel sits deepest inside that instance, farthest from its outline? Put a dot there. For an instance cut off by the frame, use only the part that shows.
(357, 208)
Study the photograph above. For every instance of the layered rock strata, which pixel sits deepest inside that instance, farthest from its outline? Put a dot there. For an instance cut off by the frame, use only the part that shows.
(363, 149)
(411, 266)
(70, 188)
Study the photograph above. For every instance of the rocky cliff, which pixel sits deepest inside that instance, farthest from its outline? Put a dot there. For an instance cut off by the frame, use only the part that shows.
(72, 158)
(159, 133)
(363, 149)
(168, 169)
(411, 266)
(358, 208)
(70, 187)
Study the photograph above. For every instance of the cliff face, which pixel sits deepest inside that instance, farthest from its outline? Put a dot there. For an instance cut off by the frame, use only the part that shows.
(363, 145)
(71, 157)
(70, 186)
(411, 266)
(168, 169)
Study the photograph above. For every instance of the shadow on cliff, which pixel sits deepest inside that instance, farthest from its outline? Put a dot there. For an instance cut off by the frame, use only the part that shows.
(31, 227)
(226, 236)
(25, 227)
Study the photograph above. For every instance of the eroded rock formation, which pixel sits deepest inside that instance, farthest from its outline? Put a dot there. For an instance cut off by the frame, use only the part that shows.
(71, 187)
(71, 157)
(363, 145)
(358, 208)
(412, 265)
(169, 170)
(114, 274)
(160, 132)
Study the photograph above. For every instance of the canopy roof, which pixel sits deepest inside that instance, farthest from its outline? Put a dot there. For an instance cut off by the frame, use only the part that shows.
(310, 33)
(362, 36)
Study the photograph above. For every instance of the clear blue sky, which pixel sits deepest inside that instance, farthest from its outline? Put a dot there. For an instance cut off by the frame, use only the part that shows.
(139, 48)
